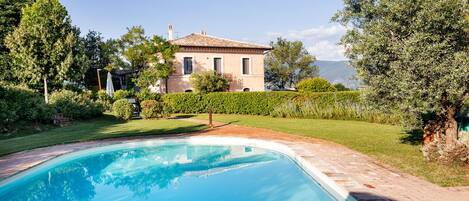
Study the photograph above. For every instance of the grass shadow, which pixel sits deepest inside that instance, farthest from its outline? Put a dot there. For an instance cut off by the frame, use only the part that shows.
(226, 124)
(183, 116)
(100, 128)
(413, 137)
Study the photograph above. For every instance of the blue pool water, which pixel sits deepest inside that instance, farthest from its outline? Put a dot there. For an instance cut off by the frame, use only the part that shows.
(174, 172)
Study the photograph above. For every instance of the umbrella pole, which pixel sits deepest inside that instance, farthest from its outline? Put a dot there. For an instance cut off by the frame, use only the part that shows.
(99, 79)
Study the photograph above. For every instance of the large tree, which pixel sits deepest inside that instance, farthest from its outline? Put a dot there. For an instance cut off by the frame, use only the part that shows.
(10, 15)
(150, 59)
(160, 57)
(101, 54)
(287, 64)
(43, 45)
(414, 55)
(133, 47)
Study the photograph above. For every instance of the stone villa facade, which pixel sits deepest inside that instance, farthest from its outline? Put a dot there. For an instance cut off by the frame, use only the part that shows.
(243, 62)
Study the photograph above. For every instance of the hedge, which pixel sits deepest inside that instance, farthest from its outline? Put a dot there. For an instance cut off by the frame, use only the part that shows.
(254, 103)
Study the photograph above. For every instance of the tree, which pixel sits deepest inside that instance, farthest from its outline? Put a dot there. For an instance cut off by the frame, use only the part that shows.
(101, 55)
(160, 57)
(209, 81)
(133, 47)
(81, 62)
(10, 15)
(316, 84)
(288, 63)
(414, 56)
(42, 46)
(341, 87)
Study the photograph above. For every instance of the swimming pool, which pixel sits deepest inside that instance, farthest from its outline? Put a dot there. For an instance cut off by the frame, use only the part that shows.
(170, 170)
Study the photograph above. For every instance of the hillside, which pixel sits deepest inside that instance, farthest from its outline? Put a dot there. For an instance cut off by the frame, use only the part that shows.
(338, 71)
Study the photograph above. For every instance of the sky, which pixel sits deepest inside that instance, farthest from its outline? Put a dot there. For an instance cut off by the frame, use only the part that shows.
(258, 21)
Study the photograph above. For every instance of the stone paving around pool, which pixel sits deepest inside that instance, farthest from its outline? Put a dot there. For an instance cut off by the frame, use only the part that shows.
(358, 174)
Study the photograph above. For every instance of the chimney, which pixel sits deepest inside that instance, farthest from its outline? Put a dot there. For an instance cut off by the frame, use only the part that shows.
(170, 32)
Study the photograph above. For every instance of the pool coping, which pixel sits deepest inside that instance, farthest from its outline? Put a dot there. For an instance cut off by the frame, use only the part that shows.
(323, 180)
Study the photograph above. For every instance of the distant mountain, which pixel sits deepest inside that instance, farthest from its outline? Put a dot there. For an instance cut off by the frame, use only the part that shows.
(338, 71)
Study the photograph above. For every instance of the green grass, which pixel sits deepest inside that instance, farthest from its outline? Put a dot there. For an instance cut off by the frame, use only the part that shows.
(95, 129)
(388, 144)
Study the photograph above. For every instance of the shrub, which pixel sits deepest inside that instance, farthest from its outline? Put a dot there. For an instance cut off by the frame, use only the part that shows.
(287, 110)
(339, 110)
(122, 109)
(75, 105)
(209, 81)
(104, 99)
(146, 94)
(340, 87)
(315, 85)
(122, 94)
(21, 103)
(151, 109)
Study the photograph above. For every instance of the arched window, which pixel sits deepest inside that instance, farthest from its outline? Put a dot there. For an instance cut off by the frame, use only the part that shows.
(188, 91)
(246, 89)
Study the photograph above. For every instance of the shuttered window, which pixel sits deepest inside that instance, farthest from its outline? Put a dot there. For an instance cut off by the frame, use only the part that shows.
(217, 65)
(246, 66)
(187, 65)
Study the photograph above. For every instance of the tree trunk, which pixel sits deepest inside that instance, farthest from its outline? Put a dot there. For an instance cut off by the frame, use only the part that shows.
(166, 85)
(451, 127)
(440, 139)
(46, 94)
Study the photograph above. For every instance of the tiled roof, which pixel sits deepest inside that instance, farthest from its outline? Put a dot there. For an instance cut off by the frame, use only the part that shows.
(202, 40)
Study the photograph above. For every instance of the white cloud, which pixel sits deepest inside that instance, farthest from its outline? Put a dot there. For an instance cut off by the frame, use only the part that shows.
(326, 50)
(320, 41)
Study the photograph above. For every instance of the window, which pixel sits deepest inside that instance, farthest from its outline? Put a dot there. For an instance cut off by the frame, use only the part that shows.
(246, 65)
(187, 65)
(246, 89)
(217, 64)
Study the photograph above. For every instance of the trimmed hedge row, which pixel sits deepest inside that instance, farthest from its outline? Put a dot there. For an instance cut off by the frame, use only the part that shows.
(254, 103)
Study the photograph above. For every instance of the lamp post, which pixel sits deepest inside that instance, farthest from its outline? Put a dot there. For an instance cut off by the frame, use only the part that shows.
(99, 78)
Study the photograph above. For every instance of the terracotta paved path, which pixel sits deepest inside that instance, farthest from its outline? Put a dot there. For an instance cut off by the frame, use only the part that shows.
(360, 175)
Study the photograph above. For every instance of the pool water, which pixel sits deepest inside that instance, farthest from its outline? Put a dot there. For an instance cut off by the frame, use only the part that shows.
(167, 172)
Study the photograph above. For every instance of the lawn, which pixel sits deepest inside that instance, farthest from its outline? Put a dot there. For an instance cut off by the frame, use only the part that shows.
(388, 144)
(95, 129)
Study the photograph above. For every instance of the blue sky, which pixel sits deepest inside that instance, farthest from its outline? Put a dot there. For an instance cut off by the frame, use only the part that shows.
(249, 20)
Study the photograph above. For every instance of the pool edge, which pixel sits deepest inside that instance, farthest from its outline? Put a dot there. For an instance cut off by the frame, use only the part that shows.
(323, 180)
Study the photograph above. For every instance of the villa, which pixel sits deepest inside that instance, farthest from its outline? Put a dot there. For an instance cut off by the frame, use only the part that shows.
(243, 62)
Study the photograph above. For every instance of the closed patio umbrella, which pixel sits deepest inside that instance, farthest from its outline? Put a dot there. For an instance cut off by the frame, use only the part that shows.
(109, 85)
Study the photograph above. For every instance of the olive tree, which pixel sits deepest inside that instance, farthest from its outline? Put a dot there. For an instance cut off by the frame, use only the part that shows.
(414, 55)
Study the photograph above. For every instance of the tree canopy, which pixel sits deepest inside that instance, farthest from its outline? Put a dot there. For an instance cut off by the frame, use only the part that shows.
(414, 56)
(159, 58)
(316, 84)
(287, 64)
(209, 81)
(10, 15)
(133, 47)
(43, 46)
(151, 59)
